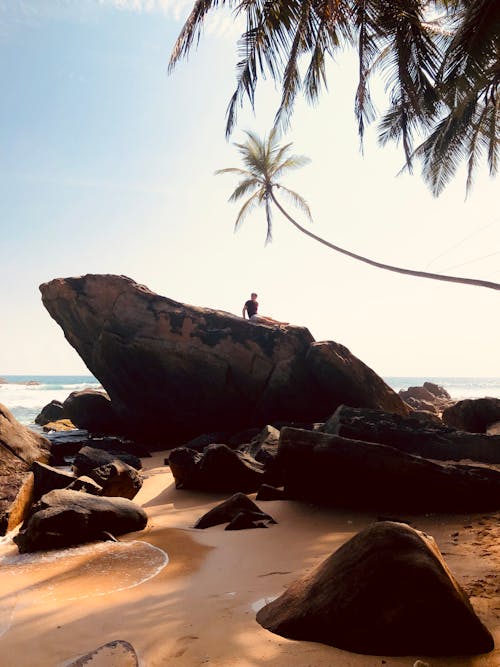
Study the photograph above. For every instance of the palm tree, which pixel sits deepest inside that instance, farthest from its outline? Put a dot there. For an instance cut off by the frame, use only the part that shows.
(265, 162)
(439, 58)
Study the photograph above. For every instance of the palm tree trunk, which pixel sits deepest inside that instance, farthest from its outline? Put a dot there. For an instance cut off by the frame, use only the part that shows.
(387, 267)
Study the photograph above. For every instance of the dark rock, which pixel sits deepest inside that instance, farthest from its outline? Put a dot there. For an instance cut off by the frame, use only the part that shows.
(325, 468)
(117, 479)
(85, 484)
(387, 591)
(51, 412)
(65, 518)
(226, 511)
(47, 478)
(264, 443)
(203, 367)
(243, 437)
(422, 406)
(219, 469)
(410, 434)
(19, 448)
(246, 520)
(109, 444)
(89, 458)
(268, 492)
(264, 449)
(91, 410)
(65, 444)
(345, 379)
(115, 653)
(473, 414)
(199, 443)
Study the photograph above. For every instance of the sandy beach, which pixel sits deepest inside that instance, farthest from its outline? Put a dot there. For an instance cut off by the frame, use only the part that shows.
(199, 608)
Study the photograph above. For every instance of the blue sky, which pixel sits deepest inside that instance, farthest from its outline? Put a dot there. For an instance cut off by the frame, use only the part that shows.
(107, 163)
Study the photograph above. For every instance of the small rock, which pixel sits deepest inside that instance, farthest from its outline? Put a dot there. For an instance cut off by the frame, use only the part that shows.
(226, 511)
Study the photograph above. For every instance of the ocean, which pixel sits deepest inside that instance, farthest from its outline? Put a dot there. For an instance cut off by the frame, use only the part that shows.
(26, 400)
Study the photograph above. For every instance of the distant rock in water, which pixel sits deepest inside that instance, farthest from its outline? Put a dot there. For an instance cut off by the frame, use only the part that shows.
(387, 591)
(174, 371)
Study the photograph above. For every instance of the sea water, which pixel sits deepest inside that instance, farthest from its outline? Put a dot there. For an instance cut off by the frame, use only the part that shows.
(26, 400)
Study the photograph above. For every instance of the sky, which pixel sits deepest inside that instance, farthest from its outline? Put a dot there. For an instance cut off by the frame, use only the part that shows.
(107, 166)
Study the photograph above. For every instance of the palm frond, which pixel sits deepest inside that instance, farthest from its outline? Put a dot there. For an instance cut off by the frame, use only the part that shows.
(244, 187)
(298, 201)
(246, 209)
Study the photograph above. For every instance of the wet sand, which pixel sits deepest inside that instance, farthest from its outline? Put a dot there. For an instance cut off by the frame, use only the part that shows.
(199, 609)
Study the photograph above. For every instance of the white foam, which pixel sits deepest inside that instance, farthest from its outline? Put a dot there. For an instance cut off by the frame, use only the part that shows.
(116, 556)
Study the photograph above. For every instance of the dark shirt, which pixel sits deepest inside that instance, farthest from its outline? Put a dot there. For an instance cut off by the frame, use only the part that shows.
(252, 307)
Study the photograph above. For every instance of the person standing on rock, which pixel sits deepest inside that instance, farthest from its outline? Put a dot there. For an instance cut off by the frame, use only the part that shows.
(251, 307)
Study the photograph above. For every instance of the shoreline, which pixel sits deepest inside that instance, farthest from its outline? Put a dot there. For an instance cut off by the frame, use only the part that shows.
(200, 608)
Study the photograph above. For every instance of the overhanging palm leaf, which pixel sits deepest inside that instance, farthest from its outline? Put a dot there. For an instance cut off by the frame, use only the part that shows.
(427, 62)
(266, 160)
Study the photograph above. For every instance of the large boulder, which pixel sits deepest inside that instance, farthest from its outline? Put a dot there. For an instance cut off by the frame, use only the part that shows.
(218, 469)
(473, 414)
(19, 448)
(412, 435)
(339, 471)
(65, 518)
(91, 410)
(174, 371)
(387, 591)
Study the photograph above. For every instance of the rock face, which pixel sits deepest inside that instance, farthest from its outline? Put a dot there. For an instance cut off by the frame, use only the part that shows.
(91, 410)
(19, 447)
(387, 591)
(47, 478)
(473, 414)
(20, 440)
(412, 435)
(65, 518)
(199, 368)
(351, 473)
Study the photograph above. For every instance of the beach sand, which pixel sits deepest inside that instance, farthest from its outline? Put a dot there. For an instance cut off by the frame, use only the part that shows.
(199, 609)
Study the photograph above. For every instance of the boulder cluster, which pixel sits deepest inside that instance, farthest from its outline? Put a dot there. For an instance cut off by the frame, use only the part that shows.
(247, 408)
